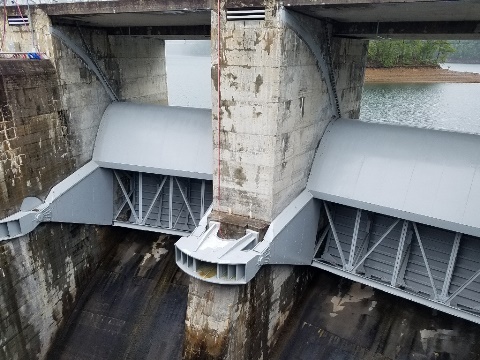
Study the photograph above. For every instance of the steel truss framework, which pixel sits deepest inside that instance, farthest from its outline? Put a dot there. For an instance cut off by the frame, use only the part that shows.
(167, 204)
(431, 266)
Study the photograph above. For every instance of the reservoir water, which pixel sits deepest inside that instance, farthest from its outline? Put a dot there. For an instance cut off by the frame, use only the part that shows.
(443, 106)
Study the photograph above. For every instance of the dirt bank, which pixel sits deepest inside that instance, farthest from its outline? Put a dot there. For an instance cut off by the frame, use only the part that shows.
(419, 75)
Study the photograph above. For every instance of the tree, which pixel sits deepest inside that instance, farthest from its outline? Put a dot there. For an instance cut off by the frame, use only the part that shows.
(390, 53)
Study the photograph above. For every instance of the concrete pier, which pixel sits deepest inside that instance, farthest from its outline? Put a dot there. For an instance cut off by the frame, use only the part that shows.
(278, 92)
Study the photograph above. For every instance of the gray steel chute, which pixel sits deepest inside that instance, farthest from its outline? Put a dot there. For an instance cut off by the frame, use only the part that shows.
(85, 197)
(156, 139)
(402, 209)
(152, 162)
(421, 175)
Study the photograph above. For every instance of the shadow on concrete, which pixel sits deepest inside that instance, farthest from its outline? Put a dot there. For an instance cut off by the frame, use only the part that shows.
(342, 320)
(133, 308)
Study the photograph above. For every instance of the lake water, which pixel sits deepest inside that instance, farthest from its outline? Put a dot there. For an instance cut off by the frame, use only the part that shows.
(454, 107)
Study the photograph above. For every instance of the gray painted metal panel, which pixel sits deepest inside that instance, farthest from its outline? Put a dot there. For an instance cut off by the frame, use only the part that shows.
(84, 197)
(87, 201)
(156, 139)
(291, 236)
(427, 176)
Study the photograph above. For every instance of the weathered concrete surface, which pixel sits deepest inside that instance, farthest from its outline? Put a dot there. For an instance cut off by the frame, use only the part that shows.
(241, 322)
(50, 115)
(274, 108)
(42, 275)
(340, 319)
(34, 149)
(134, 66)
(133, 307)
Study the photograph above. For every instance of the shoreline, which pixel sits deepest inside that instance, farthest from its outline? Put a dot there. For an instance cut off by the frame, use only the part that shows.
(418, 75)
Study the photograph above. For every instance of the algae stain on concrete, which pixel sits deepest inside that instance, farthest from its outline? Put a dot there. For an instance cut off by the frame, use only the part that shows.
(356, 293)
(239, 176)
(258, 83)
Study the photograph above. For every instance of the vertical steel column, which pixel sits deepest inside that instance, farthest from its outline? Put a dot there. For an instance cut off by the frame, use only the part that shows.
(140, 197)
(160, 207)
(398, 258)
(170, 204)
(451, 266)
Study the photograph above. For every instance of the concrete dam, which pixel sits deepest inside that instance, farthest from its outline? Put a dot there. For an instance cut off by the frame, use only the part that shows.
(272, 225)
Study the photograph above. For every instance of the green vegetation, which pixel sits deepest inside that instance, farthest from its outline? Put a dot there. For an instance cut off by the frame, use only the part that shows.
(391, 53)
(466, 51)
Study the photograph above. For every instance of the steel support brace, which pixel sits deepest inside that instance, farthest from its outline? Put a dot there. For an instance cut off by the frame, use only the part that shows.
(202, 199)
(435, 294)
(320, 241)
(117, 214)
(140, 198)
(334, 232)
(122, 187)
(463, 287)
(159, 190)
(186, 202)
(376, 244)
(398, 258)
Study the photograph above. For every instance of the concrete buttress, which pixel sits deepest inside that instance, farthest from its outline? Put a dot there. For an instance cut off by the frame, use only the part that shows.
(280, 86)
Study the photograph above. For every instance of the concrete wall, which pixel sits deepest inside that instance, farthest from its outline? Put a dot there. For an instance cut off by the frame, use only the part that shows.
(241, 322)
(42, 275)
(33, 132)
(51, 110)
(342, 319)
(274, 108)
(134, 66)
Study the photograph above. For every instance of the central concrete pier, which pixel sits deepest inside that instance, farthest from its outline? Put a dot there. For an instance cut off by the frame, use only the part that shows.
(282, 80)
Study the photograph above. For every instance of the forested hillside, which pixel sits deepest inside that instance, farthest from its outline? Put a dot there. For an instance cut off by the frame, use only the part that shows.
(392, 53)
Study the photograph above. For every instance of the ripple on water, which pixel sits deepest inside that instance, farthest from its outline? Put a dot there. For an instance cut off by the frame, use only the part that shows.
(452, 107)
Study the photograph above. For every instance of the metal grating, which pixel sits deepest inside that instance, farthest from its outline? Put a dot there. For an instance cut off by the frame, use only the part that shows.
(242, 14)
(168, 203)
(416, 261)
